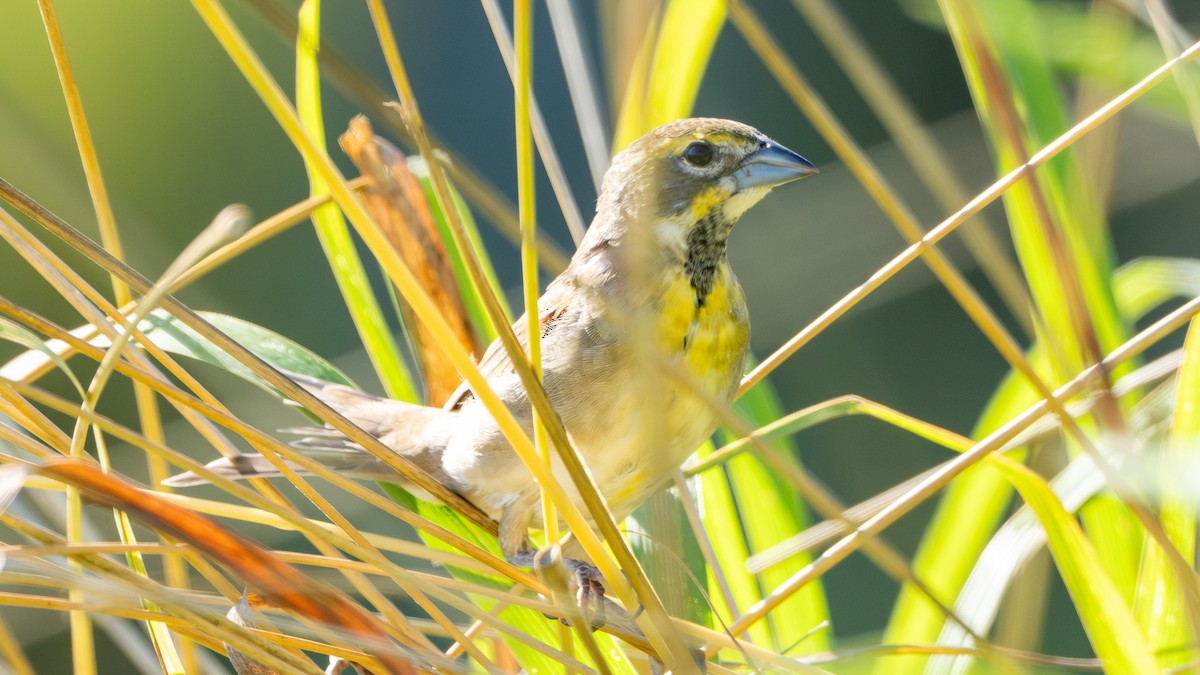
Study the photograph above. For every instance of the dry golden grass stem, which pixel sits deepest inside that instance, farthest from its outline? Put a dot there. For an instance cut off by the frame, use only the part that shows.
(947, 472)
(34, 364)
(624, 576)
(147, 405)
(327, 548)
(264, 444)
(282, 584)
(267, 446)
(349, 78)
(117, 576)
(397, 574)
(227, 510)
(70, 285)
(256, 365)
(486, 562)
(923, 151)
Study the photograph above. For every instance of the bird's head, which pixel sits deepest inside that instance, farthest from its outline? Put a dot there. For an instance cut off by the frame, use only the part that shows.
(694, 173)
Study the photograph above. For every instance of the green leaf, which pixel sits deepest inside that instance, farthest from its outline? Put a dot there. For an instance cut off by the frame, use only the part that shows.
(171, 335)
(967, 515)
(528, 621)
(731, 494)
(1021, 108)
(1142, 284)
(15, 332)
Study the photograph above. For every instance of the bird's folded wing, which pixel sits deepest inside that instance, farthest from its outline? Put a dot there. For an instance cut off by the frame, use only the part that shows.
(495, 362)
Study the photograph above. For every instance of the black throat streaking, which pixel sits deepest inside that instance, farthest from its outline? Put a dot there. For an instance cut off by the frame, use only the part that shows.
(706, 249)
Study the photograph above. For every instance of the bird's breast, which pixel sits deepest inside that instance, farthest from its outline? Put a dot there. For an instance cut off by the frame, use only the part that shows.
(708, 333)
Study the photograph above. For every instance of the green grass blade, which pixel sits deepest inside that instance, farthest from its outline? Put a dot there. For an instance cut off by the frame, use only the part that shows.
(685, 40)
(966, 517)
(1142, 284)
(1058, 227)
(14, 332)
(1159, 600)
(721, 516)
(471, 298)
(1106, 618)
(1062, 242)
(755, 488)
(334, 235)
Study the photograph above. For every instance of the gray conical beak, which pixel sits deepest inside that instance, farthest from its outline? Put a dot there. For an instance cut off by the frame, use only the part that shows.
(771, 165)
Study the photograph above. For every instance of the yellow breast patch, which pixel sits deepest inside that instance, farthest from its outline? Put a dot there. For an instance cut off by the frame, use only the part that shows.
(711, 337)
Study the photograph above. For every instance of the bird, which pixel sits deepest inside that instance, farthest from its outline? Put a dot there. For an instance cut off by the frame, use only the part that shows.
(650, 284)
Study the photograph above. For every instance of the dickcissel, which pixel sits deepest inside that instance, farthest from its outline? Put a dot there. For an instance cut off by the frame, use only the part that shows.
(649, 285)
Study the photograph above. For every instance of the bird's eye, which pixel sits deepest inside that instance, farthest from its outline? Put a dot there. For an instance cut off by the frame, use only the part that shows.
(699, 153)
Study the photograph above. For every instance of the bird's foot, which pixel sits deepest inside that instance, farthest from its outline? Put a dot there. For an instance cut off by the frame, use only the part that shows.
(568, 577)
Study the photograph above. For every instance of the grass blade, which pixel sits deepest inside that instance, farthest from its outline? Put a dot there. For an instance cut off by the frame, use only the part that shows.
(1159, 601)
(332, 231)
(1109, 624)
(666, 88)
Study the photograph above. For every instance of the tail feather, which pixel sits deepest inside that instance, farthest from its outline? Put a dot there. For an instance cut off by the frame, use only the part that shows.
(237, 467)
(353, 463)
(413, 431)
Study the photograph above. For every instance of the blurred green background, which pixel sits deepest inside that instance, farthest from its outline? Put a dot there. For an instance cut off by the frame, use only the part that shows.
(180, 135)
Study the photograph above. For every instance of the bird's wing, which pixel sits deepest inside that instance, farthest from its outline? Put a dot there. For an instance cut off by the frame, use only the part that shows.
(495, 362)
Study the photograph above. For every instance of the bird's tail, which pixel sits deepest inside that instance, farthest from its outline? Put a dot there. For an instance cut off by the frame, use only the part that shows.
(411, 430)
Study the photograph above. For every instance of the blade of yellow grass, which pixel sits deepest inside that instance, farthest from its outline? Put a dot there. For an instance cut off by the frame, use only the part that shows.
(654, 620)
(972, 207)
(1106, 618)
(110, 236)
(331, 228)
(527, 213)
(685, 39)
(1158, 602)
(895, 111)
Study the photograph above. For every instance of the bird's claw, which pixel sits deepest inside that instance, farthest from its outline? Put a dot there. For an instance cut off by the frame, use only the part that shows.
(579, 579)
(589, 592)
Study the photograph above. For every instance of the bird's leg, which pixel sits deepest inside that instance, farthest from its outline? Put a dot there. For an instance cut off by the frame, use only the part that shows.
(585, 581)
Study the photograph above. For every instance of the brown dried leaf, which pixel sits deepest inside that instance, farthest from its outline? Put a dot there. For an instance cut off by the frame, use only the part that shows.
(395, 199)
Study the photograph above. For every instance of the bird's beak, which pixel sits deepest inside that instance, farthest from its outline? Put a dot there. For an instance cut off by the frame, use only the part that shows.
(771, 165)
